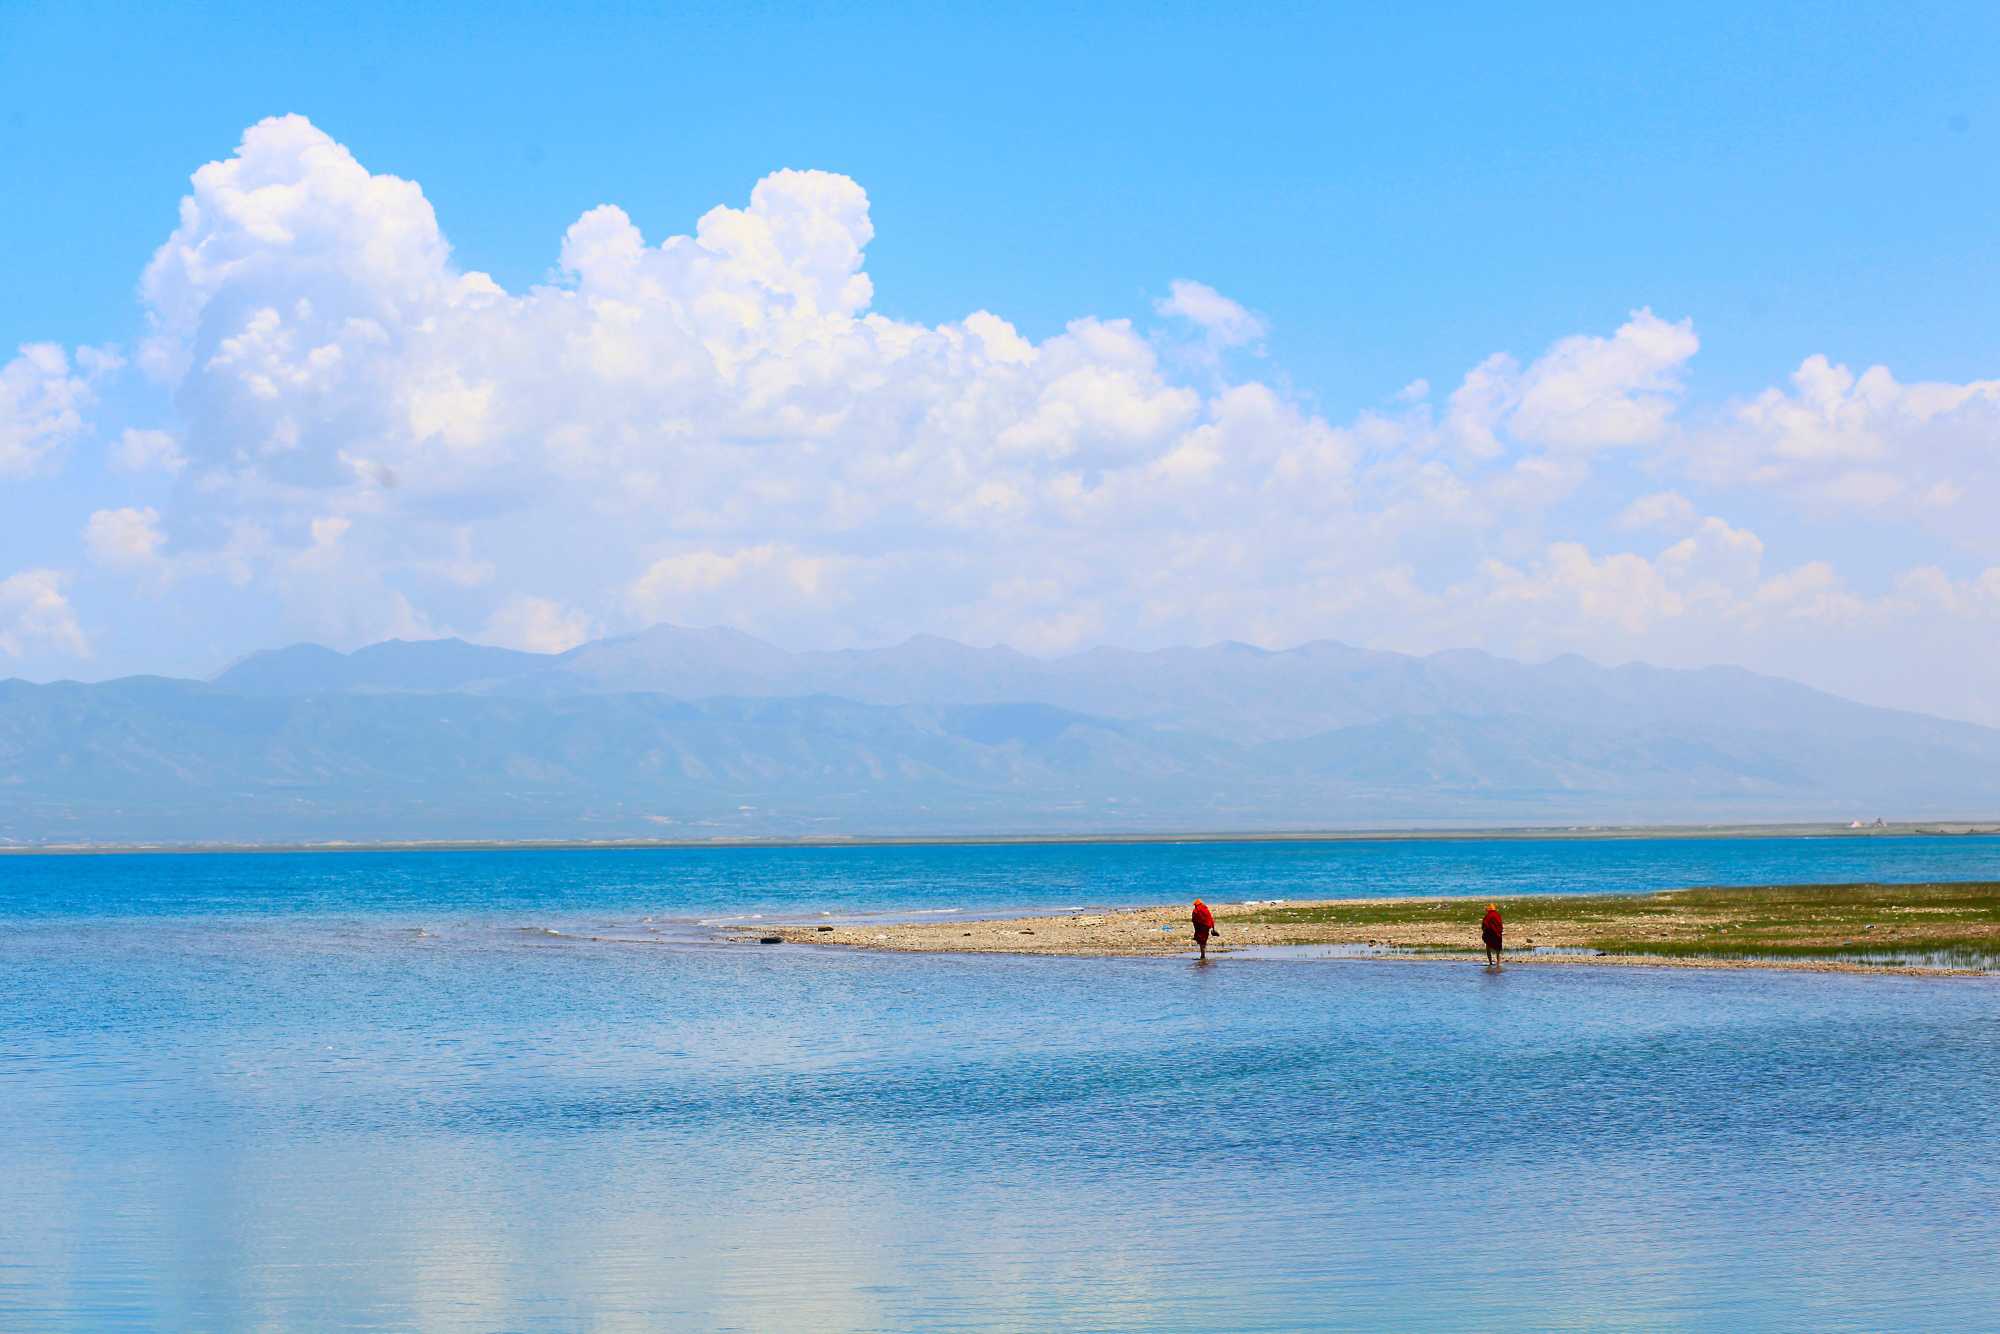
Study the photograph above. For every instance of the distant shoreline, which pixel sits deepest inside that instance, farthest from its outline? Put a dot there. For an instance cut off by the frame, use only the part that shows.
(1584, 833)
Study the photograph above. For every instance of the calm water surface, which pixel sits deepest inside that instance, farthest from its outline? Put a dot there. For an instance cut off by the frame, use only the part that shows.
(369, 1090)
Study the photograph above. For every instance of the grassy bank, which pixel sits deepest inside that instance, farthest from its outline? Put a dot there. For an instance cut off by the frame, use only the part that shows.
(1951, 921)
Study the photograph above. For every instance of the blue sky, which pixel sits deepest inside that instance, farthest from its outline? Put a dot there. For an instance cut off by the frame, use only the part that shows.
(1400, 192)
(1389, 197)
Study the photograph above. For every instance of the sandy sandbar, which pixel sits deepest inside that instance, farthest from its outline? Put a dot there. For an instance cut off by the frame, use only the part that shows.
(1441, 930)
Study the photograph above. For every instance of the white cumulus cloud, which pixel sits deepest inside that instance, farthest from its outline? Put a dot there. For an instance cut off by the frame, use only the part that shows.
(1589, 393)
(44, 393)
(141, 450)
(126, 538)
(1226, 323)
(35, 614)
(1838, 442)
(539, 625)
(730, 425)
(1658, 509)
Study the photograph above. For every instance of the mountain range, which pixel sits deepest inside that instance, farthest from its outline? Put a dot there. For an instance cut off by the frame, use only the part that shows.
(677, 732)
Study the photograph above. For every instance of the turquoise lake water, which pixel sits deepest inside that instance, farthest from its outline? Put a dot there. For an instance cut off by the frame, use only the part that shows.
(372, 1091)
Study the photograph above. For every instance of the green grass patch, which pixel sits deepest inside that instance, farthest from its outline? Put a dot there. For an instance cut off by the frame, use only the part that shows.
(1957, 921)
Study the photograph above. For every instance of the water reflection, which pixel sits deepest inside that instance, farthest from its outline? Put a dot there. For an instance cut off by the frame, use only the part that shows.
(315, 1123)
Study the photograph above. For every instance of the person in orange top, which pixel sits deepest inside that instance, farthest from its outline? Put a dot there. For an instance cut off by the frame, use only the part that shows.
(1489, 931)
(1204, 927)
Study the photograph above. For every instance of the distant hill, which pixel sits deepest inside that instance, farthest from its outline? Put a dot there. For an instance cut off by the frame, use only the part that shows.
(393, 665)
(700, 732)
(1230, 690)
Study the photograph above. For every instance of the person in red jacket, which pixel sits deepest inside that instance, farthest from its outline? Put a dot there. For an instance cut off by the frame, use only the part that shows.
(1204, 927)
(1489, 931)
